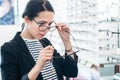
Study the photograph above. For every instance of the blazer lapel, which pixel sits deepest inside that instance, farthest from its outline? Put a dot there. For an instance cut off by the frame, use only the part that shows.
(24, 48)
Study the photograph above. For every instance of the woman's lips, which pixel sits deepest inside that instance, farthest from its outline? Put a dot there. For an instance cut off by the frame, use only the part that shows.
(41, 35)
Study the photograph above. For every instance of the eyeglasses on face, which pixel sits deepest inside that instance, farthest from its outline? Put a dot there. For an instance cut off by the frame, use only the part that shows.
(51, 27)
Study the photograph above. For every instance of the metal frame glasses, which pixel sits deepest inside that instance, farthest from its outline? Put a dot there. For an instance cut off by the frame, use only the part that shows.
(51, 27)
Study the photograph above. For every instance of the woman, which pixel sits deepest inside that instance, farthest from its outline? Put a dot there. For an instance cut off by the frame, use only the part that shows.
(30, 56)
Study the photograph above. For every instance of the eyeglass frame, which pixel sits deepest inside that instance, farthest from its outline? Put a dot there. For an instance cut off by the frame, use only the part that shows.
(47, 27)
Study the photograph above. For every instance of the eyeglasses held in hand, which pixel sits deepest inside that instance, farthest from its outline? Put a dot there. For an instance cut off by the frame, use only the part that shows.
(63, 56)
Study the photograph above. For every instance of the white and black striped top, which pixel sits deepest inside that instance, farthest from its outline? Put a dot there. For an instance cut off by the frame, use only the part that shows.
(48, 71)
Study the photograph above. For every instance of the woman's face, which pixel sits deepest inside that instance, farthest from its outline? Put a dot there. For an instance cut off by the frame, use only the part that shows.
(37, 28)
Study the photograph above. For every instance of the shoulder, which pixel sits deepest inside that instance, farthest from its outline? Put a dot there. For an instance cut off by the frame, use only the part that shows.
(9, 53)
(8, 44)
(8, 48)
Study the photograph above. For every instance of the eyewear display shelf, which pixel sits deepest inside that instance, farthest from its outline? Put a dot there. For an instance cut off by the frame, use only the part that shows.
(82, 19)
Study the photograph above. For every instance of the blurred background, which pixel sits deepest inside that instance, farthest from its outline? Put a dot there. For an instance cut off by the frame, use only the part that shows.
(95, 32)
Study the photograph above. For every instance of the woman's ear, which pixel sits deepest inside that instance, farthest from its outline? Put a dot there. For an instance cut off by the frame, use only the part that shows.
(26, 19)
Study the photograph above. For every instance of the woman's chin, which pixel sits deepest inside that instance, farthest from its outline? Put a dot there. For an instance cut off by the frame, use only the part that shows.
(40, 37)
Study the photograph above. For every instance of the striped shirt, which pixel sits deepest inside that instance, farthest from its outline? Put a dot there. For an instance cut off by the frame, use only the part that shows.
(48, 72)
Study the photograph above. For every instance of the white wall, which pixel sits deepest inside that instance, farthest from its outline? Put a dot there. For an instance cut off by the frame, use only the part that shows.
(7, 32)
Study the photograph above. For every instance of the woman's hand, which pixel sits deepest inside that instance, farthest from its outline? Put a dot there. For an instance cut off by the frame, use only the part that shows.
(63, 30)
(45, 55)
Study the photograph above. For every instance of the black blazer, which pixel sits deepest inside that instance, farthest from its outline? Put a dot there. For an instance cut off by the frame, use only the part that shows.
(17, 61)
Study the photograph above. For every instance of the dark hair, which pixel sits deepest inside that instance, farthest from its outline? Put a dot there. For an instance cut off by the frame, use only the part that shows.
(33, 7)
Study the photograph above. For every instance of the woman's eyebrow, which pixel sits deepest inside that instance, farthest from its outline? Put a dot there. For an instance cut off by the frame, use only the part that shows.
(44, 22)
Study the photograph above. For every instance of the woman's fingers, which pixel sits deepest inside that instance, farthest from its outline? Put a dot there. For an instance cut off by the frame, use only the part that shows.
(63, 28)
(47, 53)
